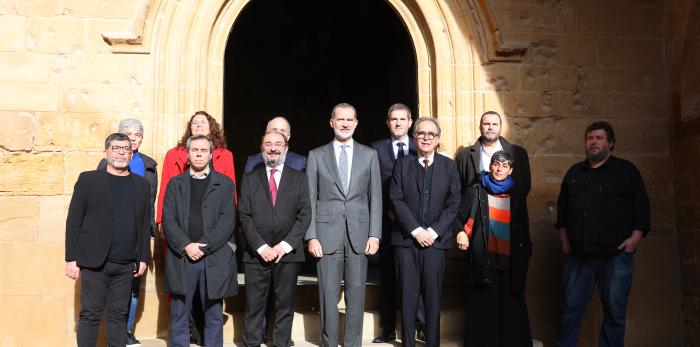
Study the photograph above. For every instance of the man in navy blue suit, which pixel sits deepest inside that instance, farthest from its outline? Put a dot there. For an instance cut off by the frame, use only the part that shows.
(293, 160)
(425, 194)
(397, 146)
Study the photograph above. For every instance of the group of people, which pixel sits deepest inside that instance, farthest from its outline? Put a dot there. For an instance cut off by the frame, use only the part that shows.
(398, 197)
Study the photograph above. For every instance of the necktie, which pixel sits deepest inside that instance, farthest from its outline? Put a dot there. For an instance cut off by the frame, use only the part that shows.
(425, 163)
(400, 153)
(273, 186)
(343, 167)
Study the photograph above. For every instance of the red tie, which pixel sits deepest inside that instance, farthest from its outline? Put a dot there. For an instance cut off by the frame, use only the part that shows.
(273, 186)
(425, 163)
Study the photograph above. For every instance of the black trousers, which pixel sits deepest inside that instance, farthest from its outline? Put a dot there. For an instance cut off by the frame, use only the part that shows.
(421, 272)
(107, 287)
(494, 316)
(282, 277)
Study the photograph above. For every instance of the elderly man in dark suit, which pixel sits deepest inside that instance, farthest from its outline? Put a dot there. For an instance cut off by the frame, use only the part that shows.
(346, 217)
(425, 193)
(291, 159)
(475, 159)
(107, 232)
(275, 213)
(199, 215)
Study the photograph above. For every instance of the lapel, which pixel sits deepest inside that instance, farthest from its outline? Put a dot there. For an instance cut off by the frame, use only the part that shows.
(389, 150)
(475, 154)
(262, 176)
(213, 185)
(412, 147)
(332, 166)
(105, 183)
(356, 162)
(185, 194)
(415, 170)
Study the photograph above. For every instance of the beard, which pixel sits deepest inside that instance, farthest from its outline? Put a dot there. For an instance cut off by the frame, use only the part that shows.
(491, 137)
(269, 162)
(119, 163)
(598, 157)
(343, 135)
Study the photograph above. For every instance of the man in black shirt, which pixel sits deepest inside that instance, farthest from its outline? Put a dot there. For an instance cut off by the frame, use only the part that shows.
(603, 212)
(198, 216)
(107, 241)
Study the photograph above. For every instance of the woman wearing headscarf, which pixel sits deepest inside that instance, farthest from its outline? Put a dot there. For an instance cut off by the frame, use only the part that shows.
(493, 231)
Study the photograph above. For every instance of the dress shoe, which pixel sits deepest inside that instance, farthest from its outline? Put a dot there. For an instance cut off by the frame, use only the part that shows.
(384, 338)
(420, 334)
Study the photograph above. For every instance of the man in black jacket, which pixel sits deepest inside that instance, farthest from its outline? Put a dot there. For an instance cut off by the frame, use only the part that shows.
(475, 159)
(603, 212)
(107, 241)
(199, 215)
(275, 214)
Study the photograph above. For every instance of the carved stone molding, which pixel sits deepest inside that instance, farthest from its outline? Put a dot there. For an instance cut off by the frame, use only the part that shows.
(138, 39)
(495, 47)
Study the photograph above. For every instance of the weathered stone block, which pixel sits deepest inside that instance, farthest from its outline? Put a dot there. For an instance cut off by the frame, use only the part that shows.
(71, 131)
(105, 98)
(28, 96)
(562, 50)
(664, 306)
(533, 16)
(546, 103)
(24, 67)
(498, 77)
(42, 273)
(637, 81)
(631, 53)
(96, 27)
(77, 162)
(34, 320)
(19, 136)
(18, 222)
(52, 218)
(38, 8)
(30, 174)
(13, 31)
(656, 105)
(619, 20)
(113, 70)
(548, 78)
(103, 9)
(56, 35)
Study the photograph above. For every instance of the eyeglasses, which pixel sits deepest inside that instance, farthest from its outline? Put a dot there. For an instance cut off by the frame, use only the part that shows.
(200, 122)
(274, 144)
(126, 149)
(425, 135)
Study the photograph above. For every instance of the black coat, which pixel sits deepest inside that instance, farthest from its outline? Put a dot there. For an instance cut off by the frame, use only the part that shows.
(385, 154)
(218, 217)
(151, 175)
(287, 221)
(469, 161)
(89, 224)
(520, 244)
(406, 189)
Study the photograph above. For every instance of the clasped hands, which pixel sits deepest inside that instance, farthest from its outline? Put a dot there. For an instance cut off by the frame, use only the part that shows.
(273, 253)
(425, 237)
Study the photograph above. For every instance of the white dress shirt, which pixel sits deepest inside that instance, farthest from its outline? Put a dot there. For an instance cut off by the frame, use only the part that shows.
(395, 148)
(278, 177)
(486, 156)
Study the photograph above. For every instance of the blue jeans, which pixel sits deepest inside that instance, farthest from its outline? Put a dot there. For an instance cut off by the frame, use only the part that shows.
(133, 304)
(612, 276)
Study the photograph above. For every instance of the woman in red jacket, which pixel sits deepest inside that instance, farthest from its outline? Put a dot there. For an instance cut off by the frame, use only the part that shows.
(175, 163)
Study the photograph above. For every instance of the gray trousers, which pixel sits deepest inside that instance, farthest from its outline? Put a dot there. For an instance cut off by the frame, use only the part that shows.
(344, 263)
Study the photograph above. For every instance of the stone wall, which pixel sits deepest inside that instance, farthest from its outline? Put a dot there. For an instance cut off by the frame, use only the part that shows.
(63, 90)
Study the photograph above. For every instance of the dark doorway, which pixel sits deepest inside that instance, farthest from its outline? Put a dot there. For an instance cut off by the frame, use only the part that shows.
(298, 59)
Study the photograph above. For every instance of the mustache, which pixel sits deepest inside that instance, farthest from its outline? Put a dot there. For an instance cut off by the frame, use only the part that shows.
(274, 152)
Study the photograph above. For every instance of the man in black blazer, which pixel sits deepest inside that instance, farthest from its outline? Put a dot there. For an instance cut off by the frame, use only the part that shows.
(199, 215)
(107, 241)
(425, 193)
(472, 160)
(293, 160)
(275, 213)
(397, 146)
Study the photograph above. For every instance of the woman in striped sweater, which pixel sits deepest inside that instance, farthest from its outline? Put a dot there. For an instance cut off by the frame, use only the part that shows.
(492, 228)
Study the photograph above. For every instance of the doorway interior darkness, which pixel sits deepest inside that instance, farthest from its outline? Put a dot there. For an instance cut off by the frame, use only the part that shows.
(298, 59)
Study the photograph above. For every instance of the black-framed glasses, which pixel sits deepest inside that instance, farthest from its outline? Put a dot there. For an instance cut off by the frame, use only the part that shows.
(425, 135)
(126, 149)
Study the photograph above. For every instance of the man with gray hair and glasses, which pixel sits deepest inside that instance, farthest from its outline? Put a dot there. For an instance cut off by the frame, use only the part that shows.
(144, 166)
(107, 231)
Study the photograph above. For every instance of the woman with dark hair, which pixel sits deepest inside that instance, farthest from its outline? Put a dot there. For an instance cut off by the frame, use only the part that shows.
(492, 228)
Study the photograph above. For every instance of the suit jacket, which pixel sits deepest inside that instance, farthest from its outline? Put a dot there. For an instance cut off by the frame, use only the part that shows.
(406, 189)
(469, 160)
(89, 224)
(151, 175)
(287, 221)
(176, 162)
(332, 211)
(385, 153)
(218, 217)
(293, 160)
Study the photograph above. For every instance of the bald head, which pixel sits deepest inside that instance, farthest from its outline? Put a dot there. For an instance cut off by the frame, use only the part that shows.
(279, 125)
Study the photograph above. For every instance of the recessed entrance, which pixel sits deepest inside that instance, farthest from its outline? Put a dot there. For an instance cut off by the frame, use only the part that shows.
(299, 58)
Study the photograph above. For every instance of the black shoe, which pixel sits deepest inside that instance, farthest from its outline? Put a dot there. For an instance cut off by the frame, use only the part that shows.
(291, 342)
(264, 340)
(131, 340)
(384, 338)
(420, 335)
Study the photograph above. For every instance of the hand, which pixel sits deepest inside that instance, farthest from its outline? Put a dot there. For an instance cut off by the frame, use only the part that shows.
(279, 252)
(268, 254)
(72, 270)
(564, 239)
(629, 245)
(315, 248)
(194, 251)
(161, 231)
(372, 246)
(462, 241)
(142, 269)
(424, 238)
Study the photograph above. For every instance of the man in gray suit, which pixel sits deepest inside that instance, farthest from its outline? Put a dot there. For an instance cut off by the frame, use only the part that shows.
(346, 223)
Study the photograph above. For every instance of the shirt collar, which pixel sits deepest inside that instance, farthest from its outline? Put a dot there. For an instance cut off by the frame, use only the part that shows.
(279, 168)
(204, 174)
(430, 158)
(404, 139)
(337, 144)
(499, 147)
